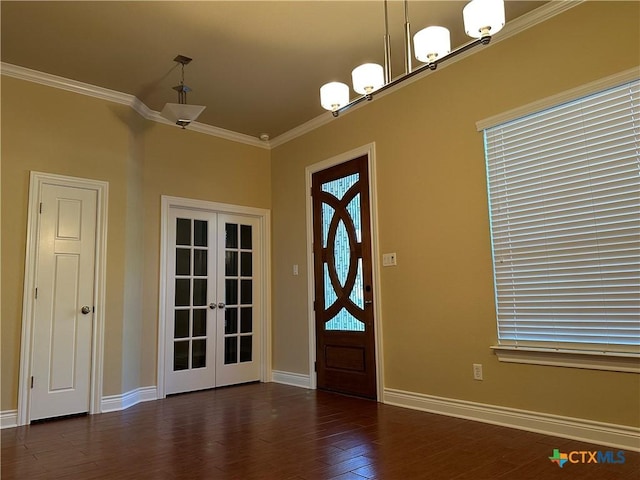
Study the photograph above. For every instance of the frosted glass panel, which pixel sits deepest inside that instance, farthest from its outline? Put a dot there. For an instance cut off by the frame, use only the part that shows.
(339, 187)
(344, 321)
(357, 294)
(329, 293)
(342, 253)
(327, 215)
(354, 212)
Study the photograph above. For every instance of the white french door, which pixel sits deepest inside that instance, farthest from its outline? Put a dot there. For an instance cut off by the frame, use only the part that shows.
(213, 301)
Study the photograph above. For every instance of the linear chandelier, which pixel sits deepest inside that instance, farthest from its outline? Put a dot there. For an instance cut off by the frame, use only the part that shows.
(432, 46)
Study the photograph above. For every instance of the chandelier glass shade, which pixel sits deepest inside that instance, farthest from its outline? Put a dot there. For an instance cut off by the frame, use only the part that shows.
(334, 95)
(180, 113)
(482, 19)
(431, 43)
(367, 78)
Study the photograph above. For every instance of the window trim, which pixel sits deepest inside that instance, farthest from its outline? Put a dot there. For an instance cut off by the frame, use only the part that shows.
(560, 357)
(562, 97)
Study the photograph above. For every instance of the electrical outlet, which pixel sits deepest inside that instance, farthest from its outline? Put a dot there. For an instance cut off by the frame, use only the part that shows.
(477, 371)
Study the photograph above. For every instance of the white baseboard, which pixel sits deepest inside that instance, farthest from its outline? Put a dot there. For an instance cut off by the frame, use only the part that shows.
(617, 436)
(9, 419)
(114, 403)
(288, 378)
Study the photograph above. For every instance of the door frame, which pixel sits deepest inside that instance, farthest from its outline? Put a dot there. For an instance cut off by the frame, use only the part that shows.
(264, 218)
(369, 151)
(36, 182)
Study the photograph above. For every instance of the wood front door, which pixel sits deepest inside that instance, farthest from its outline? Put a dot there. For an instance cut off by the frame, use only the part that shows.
(345, 340)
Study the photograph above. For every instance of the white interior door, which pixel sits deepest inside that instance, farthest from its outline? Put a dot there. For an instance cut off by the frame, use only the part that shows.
(63, 309)
(238, 328)
(212, 302)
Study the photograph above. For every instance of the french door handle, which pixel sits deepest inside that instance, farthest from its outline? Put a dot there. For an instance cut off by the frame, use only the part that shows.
(221, 305)
(368, 302)
(212, 306)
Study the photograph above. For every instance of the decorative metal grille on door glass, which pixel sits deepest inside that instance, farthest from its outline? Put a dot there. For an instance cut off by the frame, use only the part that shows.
(190, 323)
(342, 239)
(238, 327)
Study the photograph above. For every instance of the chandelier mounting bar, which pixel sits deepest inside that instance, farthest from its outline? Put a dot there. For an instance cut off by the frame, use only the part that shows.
(423, 68)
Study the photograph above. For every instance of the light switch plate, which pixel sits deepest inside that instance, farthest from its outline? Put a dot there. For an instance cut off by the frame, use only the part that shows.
(389, 259)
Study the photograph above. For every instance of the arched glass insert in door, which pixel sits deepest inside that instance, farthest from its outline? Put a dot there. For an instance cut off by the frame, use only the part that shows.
(342, 239)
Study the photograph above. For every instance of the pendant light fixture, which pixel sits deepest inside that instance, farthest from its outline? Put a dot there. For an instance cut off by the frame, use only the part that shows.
(180, 113)
(432, 45)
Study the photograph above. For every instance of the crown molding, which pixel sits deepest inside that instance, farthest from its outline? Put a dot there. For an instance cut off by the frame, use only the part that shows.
(520, 24)
(135, 103)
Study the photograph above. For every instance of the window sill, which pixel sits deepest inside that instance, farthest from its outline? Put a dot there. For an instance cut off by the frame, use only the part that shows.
(616, 362)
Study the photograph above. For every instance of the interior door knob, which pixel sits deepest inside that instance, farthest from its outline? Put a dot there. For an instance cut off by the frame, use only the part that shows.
(212, 306)
(221, 305)
(86, 309)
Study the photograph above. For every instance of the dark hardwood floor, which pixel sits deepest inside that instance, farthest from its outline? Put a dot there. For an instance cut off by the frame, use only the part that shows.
(270, 431)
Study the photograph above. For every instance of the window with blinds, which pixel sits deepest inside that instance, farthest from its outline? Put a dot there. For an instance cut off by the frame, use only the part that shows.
(564, 198)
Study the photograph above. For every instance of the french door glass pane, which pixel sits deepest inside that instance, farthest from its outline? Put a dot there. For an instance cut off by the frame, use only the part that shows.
(183, 231)
(230, 350)
(231, 263)
(246, 291)
(200, 263)
(199, 354)
(231, 321)
(231, 294)
(181, 355)
(246, 320)
(245, 348)
(245, 237)
(183, 261)
(199, 322)
(246, 264)
(231, 231)
(183, 289)
(200, 233)
(199, 291)
(181, 326)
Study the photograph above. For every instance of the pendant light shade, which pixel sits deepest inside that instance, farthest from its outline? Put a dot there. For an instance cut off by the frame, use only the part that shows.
(431, 43)
(367, 78)
(334, 95)
(483, 18)
(180, 113)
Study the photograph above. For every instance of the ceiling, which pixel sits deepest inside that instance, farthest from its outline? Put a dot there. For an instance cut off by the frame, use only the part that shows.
(257, 65)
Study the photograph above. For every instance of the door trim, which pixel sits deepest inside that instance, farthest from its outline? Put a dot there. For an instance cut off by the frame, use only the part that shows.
(36, 181)
(264, 217)
(369, 151)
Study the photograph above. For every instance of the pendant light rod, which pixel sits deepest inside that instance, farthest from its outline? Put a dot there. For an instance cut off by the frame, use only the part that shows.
(431, 66)
(387, 46)
(407, 39)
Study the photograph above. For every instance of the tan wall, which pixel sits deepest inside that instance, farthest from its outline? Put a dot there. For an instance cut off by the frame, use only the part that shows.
(54, 131)
(438, 304)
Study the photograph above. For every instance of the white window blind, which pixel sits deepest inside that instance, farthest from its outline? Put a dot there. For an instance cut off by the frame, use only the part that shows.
(564, 198)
